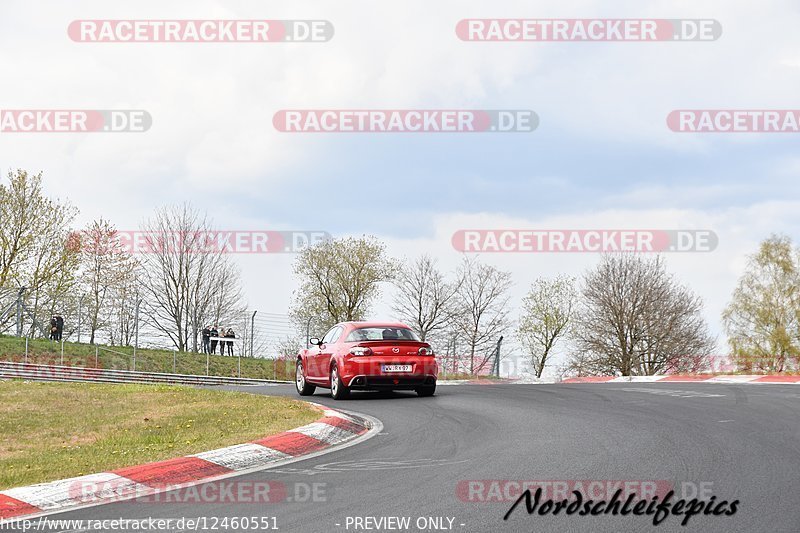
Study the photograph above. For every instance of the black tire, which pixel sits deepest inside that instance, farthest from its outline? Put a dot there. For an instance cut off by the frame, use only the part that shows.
(428, 390)
(304, 388)
(338, 389)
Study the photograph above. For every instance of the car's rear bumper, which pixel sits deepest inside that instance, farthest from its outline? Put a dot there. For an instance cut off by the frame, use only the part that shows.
(384, 382)
(368, 372)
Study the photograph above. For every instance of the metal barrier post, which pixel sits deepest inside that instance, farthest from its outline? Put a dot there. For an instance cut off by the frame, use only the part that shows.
(26, 350)
(252, 331)
(174, 359)
(62, 352)
(239, 365)
(80, 312)
(136, 325)
(96, 355)
(19, 310)
(208, 357)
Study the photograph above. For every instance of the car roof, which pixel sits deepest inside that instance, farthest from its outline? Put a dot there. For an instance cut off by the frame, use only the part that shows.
(356, 325)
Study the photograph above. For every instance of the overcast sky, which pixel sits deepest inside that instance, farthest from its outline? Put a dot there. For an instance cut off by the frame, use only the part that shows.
(602, 156)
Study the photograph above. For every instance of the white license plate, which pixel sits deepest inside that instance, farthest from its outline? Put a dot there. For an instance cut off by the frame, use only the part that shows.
(396, 368)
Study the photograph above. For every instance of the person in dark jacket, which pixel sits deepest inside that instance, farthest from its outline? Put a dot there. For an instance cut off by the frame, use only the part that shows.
(214, 333)
(59, 327)
(53, 328)
(230, 334)
(206, 333)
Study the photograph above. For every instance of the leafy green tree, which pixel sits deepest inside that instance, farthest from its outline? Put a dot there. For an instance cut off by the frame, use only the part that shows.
(35, 247)
(762, 320)
(339, 279)
(547, 312)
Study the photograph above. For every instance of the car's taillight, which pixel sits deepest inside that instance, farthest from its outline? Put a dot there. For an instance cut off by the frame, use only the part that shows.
(360, 350)
(425, 351)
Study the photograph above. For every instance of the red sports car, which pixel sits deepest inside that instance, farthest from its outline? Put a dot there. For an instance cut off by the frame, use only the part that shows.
(367, 356)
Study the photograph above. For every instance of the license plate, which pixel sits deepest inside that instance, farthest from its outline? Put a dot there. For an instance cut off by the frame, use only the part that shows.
(396, 368)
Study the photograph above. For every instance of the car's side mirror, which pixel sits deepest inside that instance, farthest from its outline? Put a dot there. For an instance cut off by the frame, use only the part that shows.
(315, 341)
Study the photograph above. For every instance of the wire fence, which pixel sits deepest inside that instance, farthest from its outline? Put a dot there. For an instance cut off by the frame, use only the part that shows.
(250, 344)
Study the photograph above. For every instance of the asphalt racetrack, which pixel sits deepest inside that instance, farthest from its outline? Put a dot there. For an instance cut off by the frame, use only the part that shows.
(735, 442)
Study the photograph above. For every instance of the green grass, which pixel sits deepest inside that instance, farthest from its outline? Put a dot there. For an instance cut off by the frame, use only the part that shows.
(43, 351)
(51, 431)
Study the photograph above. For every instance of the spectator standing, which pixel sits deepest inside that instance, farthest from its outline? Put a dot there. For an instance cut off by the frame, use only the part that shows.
(59, 327)
(230, 334)
(214, 334)
(206, 333)
(221, 342)
(53, 328)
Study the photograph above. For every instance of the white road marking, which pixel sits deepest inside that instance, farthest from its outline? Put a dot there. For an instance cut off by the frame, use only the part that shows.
(672, 392)
(324, 432)
(64, 492)
(242, 456)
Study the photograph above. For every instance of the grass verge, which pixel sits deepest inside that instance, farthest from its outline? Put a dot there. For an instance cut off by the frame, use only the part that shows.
(46, 352)
(51, 431)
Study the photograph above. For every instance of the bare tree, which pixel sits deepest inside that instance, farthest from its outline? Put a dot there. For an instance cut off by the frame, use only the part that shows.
(762, 320)
(339, 280)
(186, 279)
(289, 345)
(546, 314)
(636, 319)
(219, 302)
(482, 309)
(449, 344)
(122, 323)
(106, 269)
(425, 300)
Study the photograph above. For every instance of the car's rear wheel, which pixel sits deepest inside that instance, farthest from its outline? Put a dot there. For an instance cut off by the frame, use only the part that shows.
(304, 388)
(338, 390)
(428, 390)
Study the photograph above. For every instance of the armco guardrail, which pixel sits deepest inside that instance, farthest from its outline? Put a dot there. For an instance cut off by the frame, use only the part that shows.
(33, 372)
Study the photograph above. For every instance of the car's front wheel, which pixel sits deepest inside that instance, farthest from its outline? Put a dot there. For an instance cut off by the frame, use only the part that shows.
(304, 388)
(338, 389)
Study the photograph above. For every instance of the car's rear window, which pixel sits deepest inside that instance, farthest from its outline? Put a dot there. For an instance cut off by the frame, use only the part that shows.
(382, 334)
